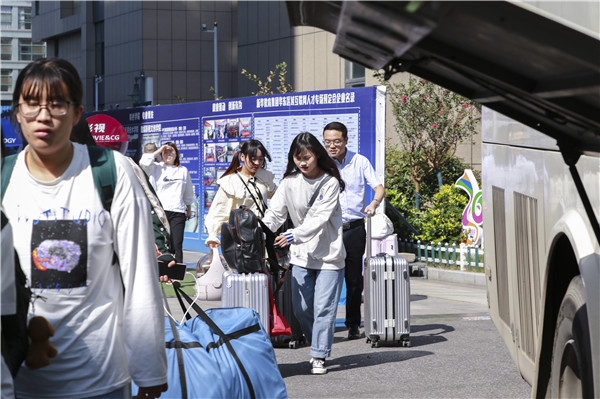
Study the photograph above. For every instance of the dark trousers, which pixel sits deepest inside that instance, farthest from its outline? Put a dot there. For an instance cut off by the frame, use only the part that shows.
(355, 242)
(177, 223)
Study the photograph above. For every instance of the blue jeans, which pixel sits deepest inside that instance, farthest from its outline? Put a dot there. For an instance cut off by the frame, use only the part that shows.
(315, 295)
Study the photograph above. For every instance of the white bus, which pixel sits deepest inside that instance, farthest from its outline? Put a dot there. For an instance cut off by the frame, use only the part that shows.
(542, 257)
(535, 66)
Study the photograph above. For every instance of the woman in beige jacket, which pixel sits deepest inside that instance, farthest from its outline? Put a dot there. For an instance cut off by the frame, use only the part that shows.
(245, 182)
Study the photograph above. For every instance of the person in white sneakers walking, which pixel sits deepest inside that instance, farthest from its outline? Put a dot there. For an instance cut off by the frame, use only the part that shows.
(316, 248)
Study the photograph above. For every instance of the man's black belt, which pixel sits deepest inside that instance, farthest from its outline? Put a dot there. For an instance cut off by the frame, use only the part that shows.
(353, 224)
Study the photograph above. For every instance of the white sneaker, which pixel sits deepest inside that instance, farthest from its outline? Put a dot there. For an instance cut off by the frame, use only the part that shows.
(318, 366)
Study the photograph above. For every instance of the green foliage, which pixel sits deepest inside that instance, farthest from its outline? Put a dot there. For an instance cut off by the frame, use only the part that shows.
(400, 192)
(430, 122)
(265, 87)
(213, 93)
(442, 222)
(406, 208)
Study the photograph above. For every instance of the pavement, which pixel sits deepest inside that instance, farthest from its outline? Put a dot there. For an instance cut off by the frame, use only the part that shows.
(455, 352)
(455, 296)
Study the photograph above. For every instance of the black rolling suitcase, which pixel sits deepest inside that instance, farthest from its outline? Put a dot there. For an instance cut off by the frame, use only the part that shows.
(283, 300)
(387, 297)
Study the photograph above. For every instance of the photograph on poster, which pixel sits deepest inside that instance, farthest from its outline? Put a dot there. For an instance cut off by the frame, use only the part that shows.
(233, 128)
(220, 171)
(209, 153)
(209, 195)
(232, 148)
(221, 126)
(245, 127)
(210, 176)
(209, 130)
(149, 138)
(221, 152)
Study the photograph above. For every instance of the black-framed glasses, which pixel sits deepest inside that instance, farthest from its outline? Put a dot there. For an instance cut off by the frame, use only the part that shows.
(336, 142)
(55, 108)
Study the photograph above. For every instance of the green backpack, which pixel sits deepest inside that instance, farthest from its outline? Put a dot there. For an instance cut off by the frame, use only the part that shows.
(102, 161)
(104, 170)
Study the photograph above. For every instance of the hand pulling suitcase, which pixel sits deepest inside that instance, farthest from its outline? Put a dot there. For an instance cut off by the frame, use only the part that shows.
(247, 291)
(283, 300)
(387, 298)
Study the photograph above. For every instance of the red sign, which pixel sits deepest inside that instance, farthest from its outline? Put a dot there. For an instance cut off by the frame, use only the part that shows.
(107, 131)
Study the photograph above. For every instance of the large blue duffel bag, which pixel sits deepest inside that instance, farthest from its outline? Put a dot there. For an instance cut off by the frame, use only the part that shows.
(221, 353)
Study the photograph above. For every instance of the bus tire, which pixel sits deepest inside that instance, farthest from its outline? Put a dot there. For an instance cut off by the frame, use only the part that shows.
(571, 369)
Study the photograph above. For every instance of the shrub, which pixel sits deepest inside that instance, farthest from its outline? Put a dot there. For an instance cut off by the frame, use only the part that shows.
(407, 209)
(400, 192)
(442, 222)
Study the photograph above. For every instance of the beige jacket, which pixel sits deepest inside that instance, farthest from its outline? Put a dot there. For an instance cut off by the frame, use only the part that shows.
(232, 194)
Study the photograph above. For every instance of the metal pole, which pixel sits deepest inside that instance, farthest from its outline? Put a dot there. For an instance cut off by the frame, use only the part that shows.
(96, 93)
(215, 45)
(142, 86)
(97, 80)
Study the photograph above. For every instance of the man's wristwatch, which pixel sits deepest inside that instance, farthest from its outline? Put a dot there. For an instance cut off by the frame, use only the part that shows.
(376, 200)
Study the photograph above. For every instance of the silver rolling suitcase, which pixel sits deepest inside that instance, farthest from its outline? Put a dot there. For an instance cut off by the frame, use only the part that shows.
(387, 298)
(248, 291)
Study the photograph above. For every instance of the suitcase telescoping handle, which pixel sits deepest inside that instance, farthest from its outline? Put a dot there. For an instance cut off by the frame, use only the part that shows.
(368, 253)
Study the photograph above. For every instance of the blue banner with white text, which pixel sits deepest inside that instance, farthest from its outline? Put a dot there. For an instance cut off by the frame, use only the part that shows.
(208, 134)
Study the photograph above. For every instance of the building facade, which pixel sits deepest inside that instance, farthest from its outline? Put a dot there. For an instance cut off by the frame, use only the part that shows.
(17, 47)
(135, 51)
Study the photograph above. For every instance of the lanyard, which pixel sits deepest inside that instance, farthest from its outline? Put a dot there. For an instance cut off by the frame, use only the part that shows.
(264, 206)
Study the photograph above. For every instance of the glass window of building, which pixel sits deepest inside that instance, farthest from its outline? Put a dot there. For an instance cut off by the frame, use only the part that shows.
(5, 80)
(25, 18)
(67, 8)
(6, 17)
(355, 75)
(29, 51)
(6, 49)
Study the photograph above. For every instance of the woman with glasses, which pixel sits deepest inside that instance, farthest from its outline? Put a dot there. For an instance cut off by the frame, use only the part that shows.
(173, 185)
(245, 182)
(107, 318)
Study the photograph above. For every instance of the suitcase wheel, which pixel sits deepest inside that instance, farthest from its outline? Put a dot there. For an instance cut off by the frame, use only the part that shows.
(375, 344)
(293, 344)
(405, 343)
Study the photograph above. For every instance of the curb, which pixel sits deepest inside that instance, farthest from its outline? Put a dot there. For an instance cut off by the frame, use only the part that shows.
(454, 276)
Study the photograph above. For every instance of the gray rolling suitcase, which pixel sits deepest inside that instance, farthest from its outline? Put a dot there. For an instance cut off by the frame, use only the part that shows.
(248, 291)
(387, 298)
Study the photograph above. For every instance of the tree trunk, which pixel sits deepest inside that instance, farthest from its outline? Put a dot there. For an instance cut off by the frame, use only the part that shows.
(417, 194)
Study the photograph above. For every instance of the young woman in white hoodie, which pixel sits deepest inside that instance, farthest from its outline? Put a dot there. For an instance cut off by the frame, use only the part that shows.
(316, 247)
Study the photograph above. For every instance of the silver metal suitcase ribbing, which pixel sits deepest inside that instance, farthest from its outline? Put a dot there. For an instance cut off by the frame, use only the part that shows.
(247, 291)
(387, 298)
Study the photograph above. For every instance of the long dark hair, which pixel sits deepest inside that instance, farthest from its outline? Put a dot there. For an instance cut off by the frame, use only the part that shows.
(307, 141)
(249, 149)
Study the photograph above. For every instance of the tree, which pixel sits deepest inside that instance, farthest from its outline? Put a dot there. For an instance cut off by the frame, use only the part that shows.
(265, 88)
(430, 122)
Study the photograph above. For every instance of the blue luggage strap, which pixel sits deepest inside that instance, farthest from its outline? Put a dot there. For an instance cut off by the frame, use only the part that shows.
(178, 350)
(224, 338)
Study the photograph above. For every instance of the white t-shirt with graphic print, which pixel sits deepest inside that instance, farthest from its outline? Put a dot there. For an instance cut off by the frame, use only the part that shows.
(108, 318)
